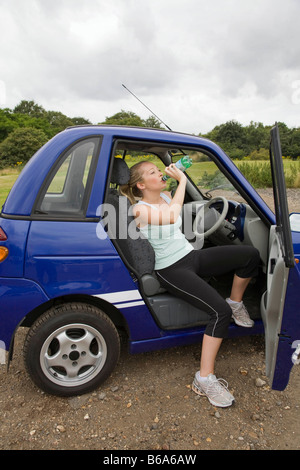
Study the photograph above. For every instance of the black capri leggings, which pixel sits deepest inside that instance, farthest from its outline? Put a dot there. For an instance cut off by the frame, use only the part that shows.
(184, 279)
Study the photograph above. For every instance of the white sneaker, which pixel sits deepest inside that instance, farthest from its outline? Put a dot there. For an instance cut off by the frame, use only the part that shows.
(240, 314)
(215, 389)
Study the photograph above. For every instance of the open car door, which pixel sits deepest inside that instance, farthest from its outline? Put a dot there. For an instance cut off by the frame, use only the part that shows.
(280, 266)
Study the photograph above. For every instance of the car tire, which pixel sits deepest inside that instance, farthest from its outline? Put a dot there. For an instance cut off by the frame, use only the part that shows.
(71, 349)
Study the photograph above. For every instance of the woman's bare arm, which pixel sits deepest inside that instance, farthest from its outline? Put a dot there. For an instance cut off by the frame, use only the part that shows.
(165, 213)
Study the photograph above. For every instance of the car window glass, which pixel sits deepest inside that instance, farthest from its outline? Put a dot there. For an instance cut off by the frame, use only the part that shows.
(136, 157)
(58, 182)
(207, 177)
(67, 189)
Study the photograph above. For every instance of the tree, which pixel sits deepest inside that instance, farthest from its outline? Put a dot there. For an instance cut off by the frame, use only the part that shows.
(290, 141)
(240, 141)
(257, 136)
(20, 145)
(231, 137)
(152, 122)
(294, 145)
(30, 114)
(7, 123)
(30, 108)
(58, 121)
(124, 118)
(80, 121)
(128, 118)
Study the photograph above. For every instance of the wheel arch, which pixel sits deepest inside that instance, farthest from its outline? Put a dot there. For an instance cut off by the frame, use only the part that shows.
(110, 310)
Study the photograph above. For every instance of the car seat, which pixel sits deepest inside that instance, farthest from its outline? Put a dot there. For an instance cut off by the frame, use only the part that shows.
(138, 255)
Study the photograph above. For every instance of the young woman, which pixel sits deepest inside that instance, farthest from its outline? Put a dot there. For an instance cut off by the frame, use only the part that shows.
(181, 269)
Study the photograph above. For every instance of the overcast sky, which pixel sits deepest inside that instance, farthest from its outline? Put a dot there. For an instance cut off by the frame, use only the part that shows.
(195, 63)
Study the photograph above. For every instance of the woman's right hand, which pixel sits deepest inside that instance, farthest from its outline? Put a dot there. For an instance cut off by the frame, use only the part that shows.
(175, 173)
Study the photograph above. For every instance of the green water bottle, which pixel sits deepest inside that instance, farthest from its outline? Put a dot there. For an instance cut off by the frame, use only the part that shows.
(183, 164)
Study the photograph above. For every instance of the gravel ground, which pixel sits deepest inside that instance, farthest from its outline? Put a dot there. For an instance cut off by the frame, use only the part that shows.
(148, 404)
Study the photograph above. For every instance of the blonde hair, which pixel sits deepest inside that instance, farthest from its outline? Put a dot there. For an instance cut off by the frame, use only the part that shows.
(130, 189)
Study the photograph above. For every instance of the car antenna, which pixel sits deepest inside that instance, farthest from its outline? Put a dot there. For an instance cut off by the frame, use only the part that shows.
(147, 107)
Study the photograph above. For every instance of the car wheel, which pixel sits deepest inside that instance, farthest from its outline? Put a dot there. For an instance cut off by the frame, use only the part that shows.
(71, 349)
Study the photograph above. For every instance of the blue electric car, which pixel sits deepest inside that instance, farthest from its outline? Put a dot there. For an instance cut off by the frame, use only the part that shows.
(75, 270)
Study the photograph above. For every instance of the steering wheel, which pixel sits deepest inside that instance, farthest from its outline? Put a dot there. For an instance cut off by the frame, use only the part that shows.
(205, 211)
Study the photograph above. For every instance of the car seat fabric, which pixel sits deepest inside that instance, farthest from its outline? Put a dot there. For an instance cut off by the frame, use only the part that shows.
(137, 251)
(120, 172)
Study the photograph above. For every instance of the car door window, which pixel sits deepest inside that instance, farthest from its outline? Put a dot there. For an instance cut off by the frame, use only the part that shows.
(67, 188)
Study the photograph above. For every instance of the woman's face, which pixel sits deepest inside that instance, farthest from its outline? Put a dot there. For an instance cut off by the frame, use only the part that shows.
(151, 177)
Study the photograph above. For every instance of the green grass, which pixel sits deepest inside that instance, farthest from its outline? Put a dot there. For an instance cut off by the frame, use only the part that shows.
(7, 179)
(258, 173)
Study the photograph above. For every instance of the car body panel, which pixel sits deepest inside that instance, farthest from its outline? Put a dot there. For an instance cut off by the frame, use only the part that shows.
(17, 231)
(18, 297)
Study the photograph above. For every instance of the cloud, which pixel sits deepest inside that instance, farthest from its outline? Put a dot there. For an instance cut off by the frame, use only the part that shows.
(195, 63)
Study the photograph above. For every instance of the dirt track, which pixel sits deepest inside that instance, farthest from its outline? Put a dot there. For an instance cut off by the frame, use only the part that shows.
(148, 404)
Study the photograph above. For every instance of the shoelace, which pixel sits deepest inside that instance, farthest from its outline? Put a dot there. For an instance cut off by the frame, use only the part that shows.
(217, 385)
(241, 310)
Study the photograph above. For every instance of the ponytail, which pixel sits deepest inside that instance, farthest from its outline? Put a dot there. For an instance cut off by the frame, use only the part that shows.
(130, 189)
(129, 192)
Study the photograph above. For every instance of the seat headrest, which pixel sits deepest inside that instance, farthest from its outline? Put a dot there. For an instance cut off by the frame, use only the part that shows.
(120, 172)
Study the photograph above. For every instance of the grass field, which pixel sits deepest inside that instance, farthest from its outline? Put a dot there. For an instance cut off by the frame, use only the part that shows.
(7, 179)
(9, 175)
